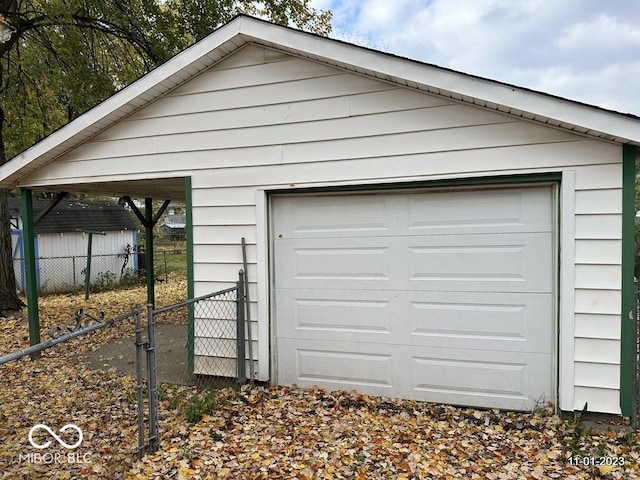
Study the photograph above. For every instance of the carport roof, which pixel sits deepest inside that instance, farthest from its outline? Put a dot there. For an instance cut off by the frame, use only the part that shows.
(510, 99)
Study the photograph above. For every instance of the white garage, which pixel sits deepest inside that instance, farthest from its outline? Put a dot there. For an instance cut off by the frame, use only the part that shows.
(443, 296)
(410, 230)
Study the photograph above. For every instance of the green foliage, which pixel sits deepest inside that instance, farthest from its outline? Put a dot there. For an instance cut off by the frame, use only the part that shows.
(68, 55)
(201, 404)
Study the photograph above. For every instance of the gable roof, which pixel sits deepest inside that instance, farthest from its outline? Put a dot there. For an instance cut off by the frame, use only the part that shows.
(78, 215)
(510, 99)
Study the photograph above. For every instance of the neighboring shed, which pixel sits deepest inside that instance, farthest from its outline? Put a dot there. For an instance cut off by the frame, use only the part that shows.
(174, 224)
(62, 243)
(412, 231)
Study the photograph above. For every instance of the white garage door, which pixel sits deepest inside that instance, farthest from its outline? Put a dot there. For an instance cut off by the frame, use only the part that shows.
(440, 296)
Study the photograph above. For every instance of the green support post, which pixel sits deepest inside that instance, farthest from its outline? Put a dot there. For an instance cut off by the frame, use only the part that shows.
(628, 324)
(87, 280)
(148, 212)
(26, 207)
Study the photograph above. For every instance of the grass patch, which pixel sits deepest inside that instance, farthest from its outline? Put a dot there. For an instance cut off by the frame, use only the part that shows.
(201, 404)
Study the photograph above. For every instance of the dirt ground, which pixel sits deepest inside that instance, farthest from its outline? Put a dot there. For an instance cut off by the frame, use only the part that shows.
(171, 356)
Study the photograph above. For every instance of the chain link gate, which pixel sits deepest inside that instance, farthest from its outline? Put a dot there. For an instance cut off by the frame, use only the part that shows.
(216, 333)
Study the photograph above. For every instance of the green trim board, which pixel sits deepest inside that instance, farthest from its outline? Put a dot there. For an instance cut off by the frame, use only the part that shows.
(26, 207)
(441, 183)
(555, 179)
(628, 320)
(188, 204)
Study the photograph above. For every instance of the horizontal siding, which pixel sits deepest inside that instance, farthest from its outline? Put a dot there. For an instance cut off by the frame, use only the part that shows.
(340, 84)
(589, 325)
(212, 253)
(204, 196)
(220, 271)
(599, 201)
(411, 131)
(599, 177)
(281, 114)
(601, 226)
(256, 166)
(598, 375)
(599, 277)
(216, 79)
(260, 119)
(597, 350)
(225, 215)
(597, 399)
(603, 252)
(598, 301)
(224, 234)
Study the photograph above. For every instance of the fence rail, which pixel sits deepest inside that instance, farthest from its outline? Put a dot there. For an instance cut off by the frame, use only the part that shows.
(74, 332)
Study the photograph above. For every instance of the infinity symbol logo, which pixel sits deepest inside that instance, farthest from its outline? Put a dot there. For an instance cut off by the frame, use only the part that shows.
(58, 439)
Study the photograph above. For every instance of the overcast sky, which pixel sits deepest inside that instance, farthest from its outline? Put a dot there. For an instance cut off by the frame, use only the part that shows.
(585, 50)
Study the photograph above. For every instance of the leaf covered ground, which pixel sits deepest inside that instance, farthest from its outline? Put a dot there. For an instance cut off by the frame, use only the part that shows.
(269, 432)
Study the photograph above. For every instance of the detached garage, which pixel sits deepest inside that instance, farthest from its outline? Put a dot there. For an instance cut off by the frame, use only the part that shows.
(412, 231)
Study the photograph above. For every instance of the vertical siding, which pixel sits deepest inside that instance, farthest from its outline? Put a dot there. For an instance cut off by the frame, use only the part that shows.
(261, 121)
(62, 258)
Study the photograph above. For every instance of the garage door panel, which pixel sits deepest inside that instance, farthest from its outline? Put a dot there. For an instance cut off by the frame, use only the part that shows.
(507, 210)
(356, 315)
(480, 263)
(320, 262)
(509, 322)
(491, 379)
(336, 365)
(477, 263)
(314, 216)
(487, 321)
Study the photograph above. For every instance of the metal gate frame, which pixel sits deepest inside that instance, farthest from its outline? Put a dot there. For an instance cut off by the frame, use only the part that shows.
(148, 347)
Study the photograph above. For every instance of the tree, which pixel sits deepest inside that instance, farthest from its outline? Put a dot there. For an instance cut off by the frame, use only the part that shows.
(67, 55)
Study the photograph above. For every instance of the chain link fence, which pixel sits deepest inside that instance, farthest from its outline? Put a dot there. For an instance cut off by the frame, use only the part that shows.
(101, 391)
(209, 335)
(68, 274)
(69, 407)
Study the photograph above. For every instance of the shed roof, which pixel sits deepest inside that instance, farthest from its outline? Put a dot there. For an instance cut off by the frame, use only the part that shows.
(243, 30)
(78, 215)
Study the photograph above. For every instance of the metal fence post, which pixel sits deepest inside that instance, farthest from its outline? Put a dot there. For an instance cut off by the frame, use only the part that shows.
(152, 380)
(240, 299)
(140, 345)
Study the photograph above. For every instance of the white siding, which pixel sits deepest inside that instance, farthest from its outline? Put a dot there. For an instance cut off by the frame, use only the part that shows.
(263, 121)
